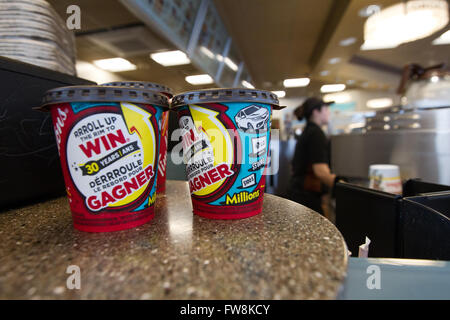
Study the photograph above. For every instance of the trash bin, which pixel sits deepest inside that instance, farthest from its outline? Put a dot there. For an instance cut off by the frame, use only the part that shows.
(416, 187)
(362, 212)
(425, 226)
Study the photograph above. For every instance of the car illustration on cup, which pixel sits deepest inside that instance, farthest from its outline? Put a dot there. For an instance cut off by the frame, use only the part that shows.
(252, 118)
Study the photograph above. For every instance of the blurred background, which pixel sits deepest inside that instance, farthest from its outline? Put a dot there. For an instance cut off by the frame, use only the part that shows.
(383, 63)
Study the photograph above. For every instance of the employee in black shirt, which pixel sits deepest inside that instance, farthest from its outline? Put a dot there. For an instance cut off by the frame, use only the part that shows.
(311, 176)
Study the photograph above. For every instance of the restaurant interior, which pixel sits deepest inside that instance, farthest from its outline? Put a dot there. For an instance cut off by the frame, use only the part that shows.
(382, 67)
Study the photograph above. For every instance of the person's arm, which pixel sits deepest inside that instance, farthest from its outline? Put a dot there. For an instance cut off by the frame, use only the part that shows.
(323, 172)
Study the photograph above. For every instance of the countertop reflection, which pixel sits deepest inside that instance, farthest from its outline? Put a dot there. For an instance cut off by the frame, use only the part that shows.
(287, 252)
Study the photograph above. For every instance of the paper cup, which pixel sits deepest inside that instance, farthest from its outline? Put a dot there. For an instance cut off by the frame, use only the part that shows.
(385, 177)
(163, 143)
(108, 142)
(225, 136)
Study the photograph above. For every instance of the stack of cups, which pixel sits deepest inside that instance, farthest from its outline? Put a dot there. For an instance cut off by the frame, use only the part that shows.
(108, 142)
(164, 127)
(385, 177)
(226, 135)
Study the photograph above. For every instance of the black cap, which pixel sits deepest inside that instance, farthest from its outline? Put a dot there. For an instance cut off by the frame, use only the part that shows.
(308, 106)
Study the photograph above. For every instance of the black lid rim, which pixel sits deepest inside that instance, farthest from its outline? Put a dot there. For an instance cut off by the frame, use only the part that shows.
(153, 86)
(215, 95)
(101, 93)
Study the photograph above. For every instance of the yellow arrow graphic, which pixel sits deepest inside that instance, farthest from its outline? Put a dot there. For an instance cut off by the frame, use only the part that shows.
(138, 123)
(206, 120)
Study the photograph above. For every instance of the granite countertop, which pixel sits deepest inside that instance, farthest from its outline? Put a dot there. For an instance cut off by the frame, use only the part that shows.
(287, 252)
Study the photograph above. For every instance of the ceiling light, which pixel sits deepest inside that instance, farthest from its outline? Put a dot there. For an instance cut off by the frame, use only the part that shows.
(332, 87)
(280, 94)
(443, 39)
(404, 22)
(347, 42)
(434, 79)
(115, 65)
(297, 82)
(207, 52)
(233, 66)
(88, 71)
(334, 60)
(170, 58)
(247, 84)
(199, 79)
(373, 45)
(324, 73)
(379, 103)
(340, 97)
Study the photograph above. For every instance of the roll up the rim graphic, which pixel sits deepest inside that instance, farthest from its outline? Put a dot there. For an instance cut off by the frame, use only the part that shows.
(209, 122)
(168, 92)
(80, 115)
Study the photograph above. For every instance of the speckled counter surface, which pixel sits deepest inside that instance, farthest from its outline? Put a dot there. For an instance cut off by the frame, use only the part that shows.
(287, 252)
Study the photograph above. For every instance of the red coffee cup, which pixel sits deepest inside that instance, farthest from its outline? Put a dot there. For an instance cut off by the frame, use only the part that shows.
(162, 162)
(225, 136)
(108, 139)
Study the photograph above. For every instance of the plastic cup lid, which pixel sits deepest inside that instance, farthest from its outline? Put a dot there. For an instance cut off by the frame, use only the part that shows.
(152, 86)
(384, 167)
(226, 95)
(102, 94)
